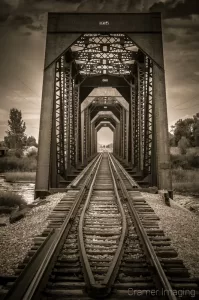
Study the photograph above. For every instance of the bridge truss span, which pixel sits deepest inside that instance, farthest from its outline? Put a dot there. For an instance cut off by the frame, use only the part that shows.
(102, 74)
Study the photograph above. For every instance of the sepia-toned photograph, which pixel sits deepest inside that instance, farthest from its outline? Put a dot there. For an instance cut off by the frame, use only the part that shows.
(99, 149)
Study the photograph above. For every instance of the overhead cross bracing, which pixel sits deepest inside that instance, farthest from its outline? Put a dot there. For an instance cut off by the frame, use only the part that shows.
(112, 68)
(97, 54)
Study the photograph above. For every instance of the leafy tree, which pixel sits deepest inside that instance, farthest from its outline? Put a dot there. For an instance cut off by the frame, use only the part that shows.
(188, 128)
(196, 130)
(172, 142)
(183, 144)
(184, 128)
(16, 137)
(31, 141)
(2, 144)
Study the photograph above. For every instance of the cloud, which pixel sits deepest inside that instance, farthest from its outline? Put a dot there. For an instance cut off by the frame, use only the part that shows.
(21, 20)
(35, 27)
(5, 10)
(191, 24)
(83, 5)
(169, 37)
(176, 9)
(29, 14)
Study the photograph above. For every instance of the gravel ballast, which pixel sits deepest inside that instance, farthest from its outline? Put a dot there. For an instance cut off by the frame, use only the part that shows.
(17, 239)
(182, 227)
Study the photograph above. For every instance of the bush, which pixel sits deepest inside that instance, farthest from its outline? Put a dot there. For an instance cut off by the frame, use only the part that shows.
(20, 176)
(185, 181)
(179, 161)
(19, 153)
(10, 199)
(12, 163)
(186, 162)
(11, 152)
(31, 152)
(193, 160)
(183, 144)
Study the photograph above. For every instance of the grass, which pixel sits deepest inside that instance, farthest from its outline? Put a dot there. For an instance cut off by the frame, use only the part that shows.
(13, 163)
(10, 199)
(186, 181)
(20, 176)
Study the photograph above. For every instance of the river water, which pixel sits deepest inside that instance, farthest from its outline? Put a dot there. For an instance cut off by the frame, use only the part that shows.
(25, 189)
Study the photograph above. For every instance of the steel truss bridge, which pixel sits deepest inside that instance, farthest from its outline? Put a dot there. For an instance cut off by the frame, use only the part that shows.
(103, 70)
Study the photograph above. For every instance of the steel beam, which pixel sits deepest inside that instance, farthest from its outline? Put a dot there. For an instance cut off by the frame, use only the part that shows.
(45, 133)
(161, 130)
(141, 100)
(110, 22)
(146, 130)
(148, 119)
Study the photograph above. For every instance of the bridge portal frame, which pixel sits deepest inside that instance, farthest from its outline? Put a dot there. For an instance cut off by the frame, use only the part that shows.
(63, 30)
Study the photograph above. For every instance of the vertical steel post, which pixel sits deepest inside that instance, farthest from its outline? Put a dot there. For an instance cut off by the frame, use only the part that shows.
(121, 133)
(69, 120)
(133, 126)
(161, 130)
(148, 121)
(136, 125)
(141, 114)
(76, 122)
(124, 135)
(45, 133)
(82, 136)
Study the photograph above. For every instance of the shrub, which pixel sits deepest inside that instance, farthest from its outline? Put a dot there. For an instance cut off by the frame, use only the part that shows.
(193, 160)
(183, 144)
(19, 153)
(185, 181)
(11, 199)
(179, 161)
(20, 176)
(186, 162)
(31, 152)
(12, 163)
(11, 152)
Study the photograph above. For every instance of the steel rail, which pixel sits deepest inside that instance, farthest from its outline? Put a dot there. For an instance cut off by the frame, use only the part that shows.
(28, 291)
(109, 279)
(145, 239)
(86, 266)
(131, 180)
(76, 181)
(104, 288)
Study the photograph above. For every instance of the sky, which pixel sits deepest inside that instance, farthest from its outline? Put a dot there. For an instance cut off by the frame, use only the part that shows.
(22, 46)
(105, 136)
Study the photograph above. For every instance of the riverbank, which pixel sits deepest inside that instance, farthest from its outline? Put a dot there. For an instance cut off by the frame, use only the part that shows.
(24, 189)
(19, 176)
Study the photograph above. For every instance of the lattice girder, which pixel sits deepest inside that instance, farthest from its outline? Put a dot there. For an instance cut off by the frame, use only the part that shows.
(97, 54)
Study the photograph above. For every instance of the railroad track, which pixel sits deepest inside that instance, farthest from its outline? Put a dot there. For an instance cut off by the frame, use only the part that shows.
(103, 240)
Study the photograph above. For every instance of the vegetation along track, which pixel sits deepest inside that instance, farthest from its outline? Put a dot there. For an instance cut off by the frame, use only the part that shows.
(103, 240)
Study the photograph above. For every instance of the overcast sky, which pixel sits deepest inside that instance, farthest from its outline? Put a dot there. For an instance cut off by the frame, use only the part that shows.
(22, 45)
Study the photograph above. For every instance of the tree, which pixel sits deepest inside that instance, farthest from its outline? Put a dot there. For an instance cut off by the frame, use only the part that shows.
(184, 128)
(16, 137)
(31, 141)
(196, 130)
(2, 144)
(172, 142)
(183, 144)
